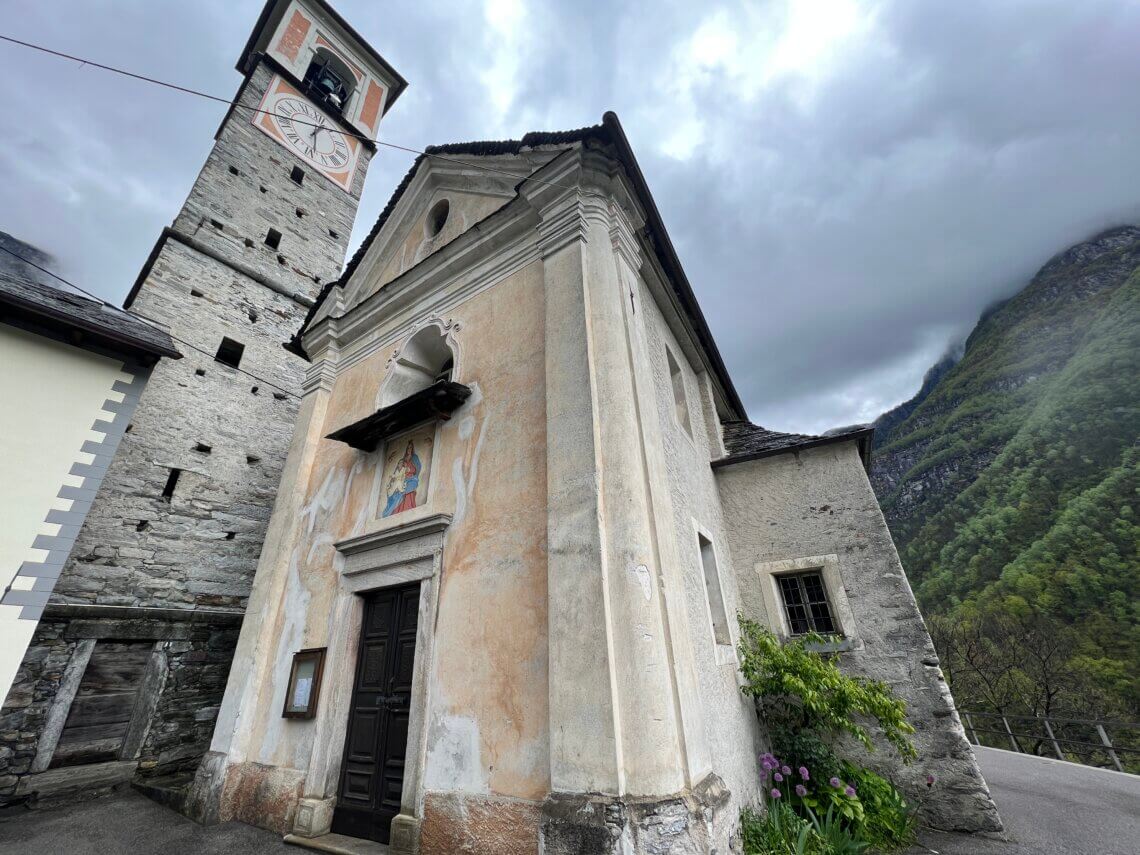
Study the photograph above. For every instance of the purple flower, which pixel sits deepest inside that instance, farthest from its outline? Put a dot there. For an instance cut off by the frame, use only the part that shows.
(768, 761)
(804, 773)
(775, 793)
(787, 770)
(801, 790)
(850, 791)
(779, 778)
(930, 780)
(835, 782)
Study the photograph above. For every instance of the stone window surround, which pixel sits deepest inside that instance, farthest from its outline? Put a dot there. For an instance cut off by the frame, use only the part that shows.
(828, 565)
(409, 550)
(725, 654)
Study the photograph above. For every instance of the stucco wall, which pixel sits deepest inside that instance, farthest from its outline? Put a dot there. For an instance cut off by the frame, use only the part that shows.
(465, 208)
(819, 502)
(53, 394)
(729, 718)
(487, 708)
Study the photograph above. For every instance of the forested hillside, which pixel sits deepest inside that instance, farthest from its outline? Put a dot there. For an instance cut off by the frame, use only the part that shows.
(1011, 486)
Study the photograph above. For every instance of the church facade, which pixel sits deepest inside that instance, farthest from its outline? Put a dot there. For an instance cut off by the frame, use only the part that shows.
(522, 508)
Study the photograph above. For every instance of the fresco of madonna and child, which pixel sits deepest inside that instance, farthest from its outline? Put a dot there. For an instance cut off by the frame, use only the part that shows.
(406, 467)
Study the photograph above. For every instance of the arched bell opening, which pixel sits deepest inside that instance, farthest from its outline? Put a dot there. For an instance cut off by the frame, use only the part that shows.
(330, 80)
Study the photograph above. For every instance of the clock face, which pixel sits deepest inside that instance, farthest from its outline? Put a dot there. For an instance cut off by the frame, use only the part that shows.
(310, 134)
(294, 122)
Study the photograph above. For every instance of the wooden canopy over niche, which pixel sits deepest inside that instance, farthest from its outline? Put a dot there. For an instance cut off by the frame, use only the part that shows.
(437, 401)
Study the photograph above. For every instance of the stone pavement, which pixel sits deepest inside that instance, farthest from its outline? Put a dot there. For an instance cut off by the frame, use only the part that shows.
(1049, 808)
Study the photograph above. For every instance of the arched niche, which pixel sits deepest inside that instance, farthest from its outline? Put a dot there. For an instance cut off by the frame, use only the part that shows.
(428, 356)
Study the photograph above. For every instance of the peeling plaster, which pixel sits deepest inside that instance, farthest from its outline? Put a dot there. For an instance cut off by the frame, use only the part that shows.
(645, 581)
(327, 498)
(454, 761)
(465, 481)
(296, 609)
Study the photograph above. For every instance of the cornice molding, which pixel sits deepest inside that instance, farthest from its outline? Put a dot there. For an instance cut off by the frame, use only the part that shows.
(556, 206)
(406, 550)
(473, 262)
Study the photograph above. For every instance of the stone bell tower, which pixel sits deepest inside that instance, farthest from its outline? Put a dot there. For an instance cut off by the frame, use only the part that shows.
(164, 562)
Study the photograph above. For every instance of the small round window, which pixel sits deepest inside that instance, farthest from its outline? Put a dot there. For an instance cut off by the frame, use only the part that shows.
(437, 217)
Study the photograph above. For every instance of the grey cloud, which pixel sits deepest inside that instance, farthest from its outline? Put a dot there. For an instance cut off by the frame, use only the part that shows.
(838, 241)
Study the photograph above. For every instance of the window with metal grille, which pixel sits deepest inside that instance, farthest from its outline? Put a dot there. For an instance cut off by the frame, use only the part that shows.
(805, 603)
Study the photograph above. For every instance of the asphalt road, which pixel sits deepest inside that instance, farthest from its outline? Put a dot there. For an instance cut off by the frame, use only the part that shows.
(1048, 807)
(1051, 808)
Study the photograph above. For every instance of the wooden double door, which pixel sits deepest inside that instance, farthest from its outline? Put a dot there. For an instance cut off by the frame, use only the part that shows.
(372, 774)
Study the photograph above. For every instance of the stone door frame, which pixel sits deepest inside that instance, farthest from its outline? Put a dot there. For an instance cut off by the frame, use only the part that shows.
(397, 554)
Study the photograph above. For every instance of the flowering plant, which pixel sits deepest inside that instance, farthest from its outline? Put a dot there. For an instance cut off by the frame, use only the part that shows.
(820, 796)
(808, 704)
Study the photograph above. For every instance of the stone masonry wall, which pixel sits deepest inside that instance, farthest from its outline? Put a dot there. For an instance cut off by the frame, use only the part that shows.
(197, 657)
(25, 709)
(199, 546)
(225, 432)
(262, 195)
(819, 502)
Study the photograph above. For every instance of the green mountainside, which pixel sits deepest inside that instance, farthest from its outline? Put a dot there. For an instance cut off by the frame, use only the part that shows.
(1011, 484)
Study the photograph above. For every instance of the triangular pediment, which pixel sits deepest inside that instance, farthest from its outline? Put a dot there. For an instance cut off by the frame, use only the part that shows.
(444, 197)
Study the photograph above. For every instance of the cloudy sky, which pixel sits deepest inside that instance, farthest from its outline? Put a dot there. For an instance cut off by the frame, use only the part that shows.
(848, 183)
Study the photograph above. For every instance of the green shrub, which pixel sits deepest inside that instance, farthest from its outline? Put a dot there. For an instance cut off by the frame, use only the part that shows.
(798, 688)
(779, 831)
(888, 820)
(836, 836)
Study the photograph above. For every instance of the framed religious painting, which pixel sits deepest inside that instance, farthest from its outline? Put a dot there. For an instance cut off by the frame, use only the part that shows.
(304, 683)
(407, 468)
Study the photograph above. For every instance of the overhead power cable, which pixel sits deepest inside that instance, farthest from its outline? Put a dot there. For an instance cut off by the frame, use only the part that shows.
(148, 321)
(234, 104)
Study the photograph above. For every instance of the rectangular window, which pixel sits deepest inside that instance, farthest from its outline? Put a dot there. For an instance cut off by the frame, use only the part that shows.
(229, 352)
(273, 238)
(298, 175)
(717, 610)
(805, 603)
(680, 404)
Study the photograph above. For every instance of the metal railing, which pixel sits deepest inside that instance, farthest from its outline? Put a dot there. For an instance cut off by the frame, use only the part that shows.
(1085, 740)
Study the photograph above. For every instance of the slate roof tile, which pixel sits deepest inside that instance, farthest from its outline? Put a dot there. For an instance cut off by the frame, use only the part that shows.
(58, 308)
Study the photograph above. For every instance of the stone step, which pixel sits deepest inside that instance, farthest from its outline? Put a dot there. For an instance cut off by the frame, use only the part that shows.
(338, 844)
(68, 782)
(170, 791)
